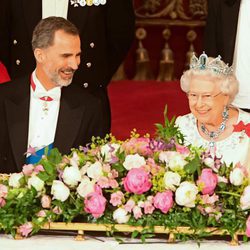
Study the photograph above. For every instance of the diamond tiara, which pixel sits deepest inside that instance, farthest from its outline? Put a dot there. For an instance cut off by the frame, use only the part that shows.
(216, 64)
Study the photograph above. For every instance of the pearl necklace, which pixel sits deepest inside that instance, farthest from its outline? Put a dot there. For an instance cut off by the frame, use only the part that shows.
(215, 134)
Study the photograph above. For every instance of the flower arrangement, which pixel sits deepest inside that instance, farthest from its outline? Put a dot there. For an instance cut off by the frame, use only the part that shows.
(141, 181)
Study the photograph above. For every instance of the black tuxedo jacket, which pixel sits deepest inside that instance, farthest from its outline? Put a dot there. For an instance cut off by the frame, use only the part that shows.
(106, 32)
(221, 28)
(80, 118)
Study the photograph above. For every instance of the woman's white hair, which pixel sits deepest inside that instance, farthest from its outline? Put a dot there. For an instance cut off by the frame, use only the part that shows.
(228, 83)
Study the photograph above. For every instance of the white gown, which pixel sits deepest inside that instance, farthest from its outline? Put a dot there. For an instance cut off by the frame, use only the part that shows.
(235, 148)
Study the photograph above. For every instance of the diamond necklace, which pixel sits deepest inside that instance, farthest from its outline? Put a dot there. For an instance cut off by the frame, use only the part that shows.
(215, 134)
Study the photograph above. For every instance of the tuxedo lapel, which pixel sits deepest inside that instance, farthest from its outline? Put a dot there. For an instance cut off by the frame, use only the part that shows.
(69, 122)
(18, 123)
(78, 16)
(33, 13)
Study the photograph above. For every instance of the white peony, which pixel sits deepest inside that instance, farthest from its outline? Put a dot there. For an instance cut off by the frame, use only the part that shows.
(36, 182)
(59, 190)
(71, 176)
(109, 150)
(176, 162)
(185, 194)
(121, 215)
(85, 187)
(134, 161)
(236, 177)
(171, 180)
(95, 170)
(14, 180)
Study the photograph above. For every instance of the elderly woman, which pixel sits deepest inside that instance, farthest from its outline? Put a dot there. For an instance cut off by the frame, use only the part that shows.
(214, 123)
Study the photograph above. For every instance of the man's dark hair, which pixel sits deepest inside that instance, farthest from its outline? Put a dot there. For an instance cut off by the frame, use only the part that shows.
(44, 32)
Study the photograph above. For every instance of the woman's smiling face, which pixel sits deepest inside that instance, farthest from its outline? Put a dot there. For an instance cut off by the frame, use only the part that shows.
(206, 101)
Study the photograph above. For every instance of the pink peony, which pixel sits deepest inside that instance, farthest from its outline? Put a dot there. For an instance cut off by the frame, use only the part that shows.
(3, 191)
(137, 181)
(164, 201)
(95, 204)
(116, 198)
(46, 201)
(25, 229)
(248, 227)
(207, 181)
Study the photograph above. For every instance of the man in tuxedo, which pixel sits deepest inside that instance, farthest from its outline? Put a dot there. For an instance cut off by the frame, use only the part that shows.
(106, 31)
(43, 110)
(227, 34)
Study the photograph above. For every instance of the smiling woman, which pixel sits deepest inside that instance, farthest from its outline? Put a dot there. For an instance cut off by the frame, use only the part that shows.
(211, 87)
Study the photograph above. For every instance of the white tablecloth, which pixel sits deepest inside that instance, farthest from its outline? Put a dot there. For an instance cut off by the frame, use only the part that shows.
(42, 242)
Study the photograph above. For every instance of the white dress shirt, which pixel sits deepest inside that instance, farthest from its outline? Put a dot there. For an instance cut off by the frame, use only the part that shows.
(55, 8)
(241, 62)
(43, 115)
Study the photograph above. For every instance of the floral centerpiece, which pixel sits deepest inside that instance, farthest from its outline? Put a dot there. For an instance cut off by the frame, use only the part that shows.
(141, 181)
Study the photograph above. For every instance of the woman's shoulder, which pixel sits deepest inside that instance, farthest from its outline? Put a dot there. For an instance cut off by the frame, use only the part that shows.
(185, 119)
(244, 116)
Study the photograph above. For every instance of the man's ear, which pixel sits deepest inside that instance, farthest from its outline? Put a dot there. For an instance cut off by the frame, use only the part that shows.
(39, 55)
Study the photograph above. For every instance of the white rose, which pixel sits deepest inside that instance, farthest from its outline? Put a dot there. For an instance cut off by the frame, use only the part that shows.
(134, 161)
(185, 194)
(109, 150)
(171, 180)
(36, 182)
(71, 176)
(245, 198)
(95, 170)
(121, 215)
(176, 162)
(236, 177)
(60, 191)
(85, 187)
(14, 180)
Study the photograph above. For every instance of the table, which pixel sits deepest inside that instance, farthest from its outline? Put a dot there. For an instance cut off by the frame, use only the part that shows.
(50, 242)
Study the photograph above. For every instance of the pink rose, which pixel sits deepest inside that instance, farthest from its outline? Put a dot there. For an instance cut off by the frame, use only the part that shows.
(3, 191)
(137, 181)
(2, 202)
(46, 201)
(28, 169)
(207, 181)
(164, 201)
(248, 227)
(57, 210)
(25, 229)
(116, 198)
(95, 204)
